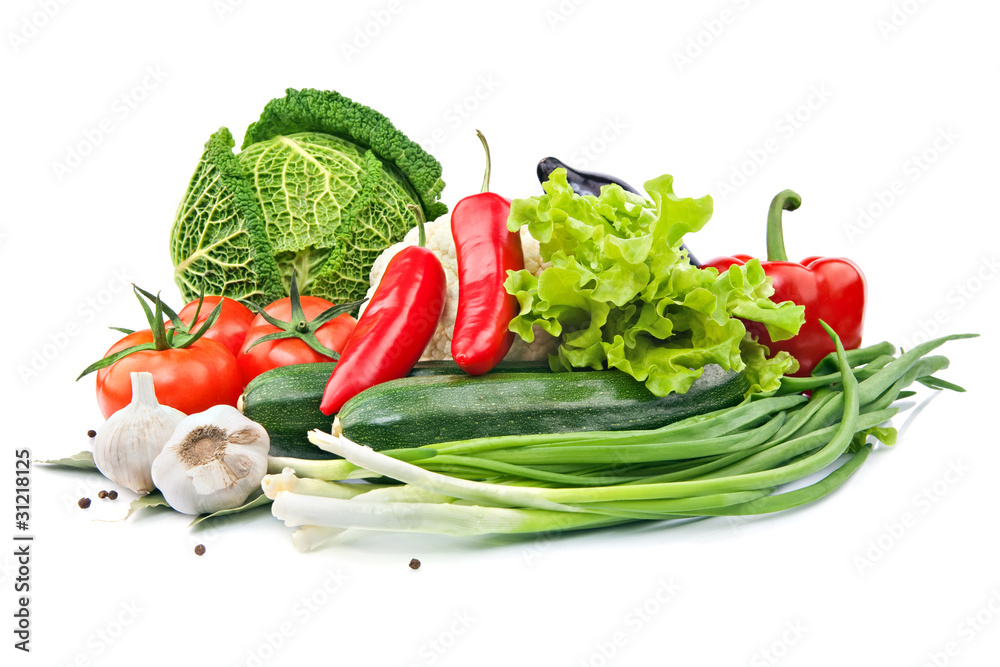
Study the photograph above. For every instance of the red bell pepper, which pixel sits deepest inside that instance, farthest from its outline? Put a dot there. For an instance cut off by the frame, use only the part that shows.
(393, 331)
(486, 251)
(832, 289)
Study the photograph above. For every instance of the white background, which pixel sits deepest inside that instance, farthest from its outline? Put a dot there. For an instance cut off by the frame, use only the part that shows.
(837, 101)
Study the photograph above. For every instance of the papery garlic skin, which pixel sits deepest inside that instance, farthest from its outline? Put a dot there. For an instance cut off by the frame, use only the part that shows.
(212, 462)
(131, 439)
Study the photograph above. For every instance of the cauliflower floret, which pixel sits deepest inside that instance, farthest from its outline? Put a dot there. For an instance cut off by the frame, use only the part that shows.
(440, 241)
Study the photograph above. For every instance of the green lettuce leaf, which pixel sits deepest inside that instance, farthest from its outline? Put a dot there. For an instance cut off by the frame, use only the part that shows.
(763, 373)
(621, 293)
(887, 435)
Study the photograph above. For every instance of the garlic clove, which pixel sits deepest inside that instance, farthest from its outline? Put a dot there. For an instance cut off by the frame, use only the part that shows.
(130, 440)
(212, 461)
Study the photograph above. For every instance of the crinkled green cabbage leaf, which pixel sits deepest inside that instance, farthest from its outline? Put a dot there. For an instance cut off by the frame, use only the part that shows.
(621, 293)
(321, 187)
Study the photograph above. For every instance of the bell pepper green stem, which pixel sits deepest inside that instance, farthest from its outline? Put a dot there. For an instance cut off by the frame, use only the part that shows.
(786, 200)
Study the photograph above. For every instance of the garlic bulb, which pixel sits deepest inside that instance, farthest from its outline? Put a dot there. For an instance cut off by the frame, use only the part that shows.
(132, 437)
(212, 462)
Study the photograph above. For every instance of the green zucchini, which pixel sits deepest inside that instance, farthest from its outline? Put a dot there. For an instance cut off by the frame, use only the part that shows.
(416, 411)
(285, 400)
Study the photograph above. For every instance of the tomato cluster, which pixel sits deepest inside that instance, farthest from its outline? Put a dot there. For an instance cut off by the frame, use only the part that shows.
(212, 368)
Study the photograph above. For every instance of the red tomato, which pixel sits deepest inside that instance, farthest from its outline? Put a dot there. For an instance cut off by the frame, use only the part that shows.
(191, 379)
(287, 351)
(230, 328)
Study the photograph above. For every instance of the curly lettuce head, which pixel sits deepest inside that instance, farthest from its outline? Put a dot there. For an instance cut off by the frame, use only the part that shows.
(321, 186)
(621, 293)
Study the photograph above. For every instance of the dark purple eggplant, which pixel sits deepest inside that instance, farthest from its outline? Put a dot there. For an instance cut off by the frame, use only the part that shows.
(588, 183)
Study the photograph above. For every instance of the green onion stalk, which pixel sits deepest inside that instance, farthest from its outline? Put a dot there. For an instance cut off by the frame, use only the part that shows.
(734, 461)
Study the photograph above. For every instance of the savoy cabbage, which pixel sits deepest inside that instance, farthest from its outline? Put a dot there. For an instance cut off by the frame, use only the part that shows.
(321, 186)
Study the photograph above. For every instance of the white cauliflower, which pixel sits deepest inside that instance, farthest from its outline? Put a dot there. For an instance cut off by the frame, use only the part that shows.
(440, 241)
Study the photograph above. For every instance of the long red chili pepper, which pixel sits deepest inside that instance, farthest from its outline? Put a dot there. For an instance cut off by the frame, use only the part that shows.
(486, 251)
(832, 289)
(395, 328)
